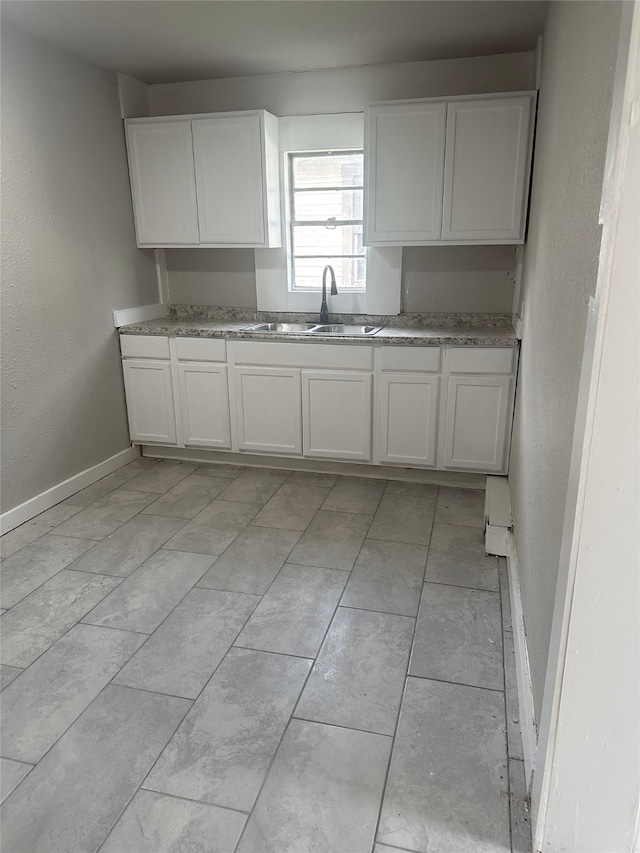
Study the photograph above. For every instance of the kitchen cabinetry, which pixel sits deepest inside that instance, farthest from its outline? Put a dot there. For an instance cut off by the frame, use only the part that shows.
(150, 407)
(448, 172)
(479, 408)
(336, 414)
(268, 412)
(408, 405)
(441, 407)
(163, 187)
(205, 180)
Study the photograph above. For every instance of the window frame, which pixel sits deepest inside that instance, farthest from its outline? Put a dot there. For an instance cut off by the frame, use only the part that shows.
(325, 132)
(292, 222)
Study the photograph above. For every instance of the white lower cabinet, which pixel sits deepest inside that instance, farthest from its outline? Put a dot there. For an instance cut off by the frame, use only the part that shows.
(408, 418)
(477, 418)
(435, 407)
(204, 404)
(336, 414)
(150, 406)
(268, 413)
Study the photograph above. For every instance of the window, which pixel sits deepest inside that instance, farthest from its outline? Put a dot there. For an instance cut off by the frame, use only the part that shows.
(325, 215)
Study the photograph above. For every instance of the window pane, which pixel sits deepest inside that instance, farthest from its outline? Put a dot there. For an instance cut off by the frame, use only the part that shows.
(318, 240)
(341, 204)
(350, 273)
(325, 170)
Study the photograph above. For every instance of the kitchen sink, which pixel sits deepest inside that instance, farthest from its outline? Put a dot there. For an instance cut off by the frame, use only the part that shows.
(344, 329)
(314, 328)
(282, 327)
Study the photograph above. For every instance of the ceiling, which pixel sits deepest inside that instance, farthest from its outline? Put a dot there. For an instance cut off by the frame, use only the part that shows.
(167, 41)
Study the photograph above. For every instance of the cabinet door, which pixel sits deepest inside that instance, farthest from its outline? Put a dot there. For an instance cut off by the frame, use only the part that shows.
(476, 422)
(404, 161)
(408, 417)
(204, 404)
(487, 170)
(149, 394)
(163, 183)
(229, 177)
(268, 409)
(336, 414)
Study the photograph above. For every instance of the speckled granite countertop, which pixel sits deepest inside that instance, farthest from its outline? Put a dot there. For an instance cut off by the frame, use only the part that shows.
(404, 329)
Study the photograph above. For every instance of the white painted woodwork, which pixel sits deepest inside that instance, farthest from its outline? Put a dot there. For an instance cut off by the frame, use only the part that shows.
(229, 180)
(204, 404)
(336, 414)
(407, 418)
(480, 359)
(303, 354)
(162, 182)
(477, 416)
(406, 358)
(150, 407)
(404, 168)
(268, 409)
(486, 169)
(144, 346)
(201, 349)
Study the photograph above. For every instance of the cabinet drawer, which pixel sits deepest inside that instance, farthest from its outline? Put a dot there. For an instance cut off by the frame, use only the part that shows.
(303, 355)
(144, 346)
(410, 358)
(201, 349)
(480, 359)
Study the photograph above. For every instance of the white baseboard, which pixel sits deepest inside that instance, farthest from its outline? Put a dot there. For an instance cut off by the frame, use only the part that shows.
(523, 673)
(460, 480)
(34, 506)
(500, 540)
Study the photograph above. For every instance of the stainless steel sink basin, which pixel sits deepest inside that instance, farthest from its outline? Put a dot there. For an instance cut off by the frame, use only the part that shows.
(282, 327)
(344, 329)
(315, 328)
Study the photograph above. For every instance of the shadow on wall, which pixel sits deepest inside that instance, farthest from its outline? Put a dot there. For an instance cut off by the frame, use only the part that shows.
(436, 279)
(458, 278)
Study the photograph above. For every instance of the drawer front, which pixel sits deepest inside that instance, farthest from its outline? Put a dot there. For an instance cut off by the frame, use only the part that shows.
(201, 349)
(424, 359)
(480, 359)
(144, 346)
(303, 355)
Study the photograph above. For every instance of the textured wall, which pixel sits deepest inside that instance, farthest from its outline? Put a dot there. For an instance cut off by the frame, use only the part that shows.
(68, 259)
(559, 275)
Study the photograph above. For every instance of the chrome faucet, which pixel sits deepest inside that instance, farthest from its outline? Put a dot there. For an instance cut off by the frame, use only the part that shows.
(324, 309)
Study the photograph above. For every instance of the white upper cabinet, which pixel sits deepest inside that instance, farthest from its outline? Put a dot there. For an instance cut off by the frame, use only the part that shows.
(206, 180)
(453, 171)
(404, 172)
(163, 183)
(486, 170)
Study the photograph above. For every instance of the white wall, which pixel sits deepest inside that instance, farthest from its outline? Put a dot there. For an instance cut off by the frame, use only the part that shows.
(345, 90)
(586, 794)
(438, 279)
(68, 259)
(559, 274)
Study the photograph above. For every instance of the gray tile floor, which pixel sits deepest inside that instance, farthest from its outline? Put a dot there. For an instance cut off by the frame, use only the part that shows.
(209, 659)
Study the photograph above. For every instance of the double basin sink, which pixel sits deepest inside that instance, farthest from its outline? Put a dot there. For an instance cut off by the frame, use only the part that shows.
(315, 329)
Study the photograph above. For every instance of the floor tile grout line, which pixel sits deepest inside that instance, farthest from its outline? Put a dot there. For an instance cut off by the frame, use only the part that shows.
(137, 788)
(458, 683)
(376, 828)
(192, 800)
(340, 726)
(111, 532)
(77, 622)
(461, 586)
(381, 612)
(150, 634)
(288, 723)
